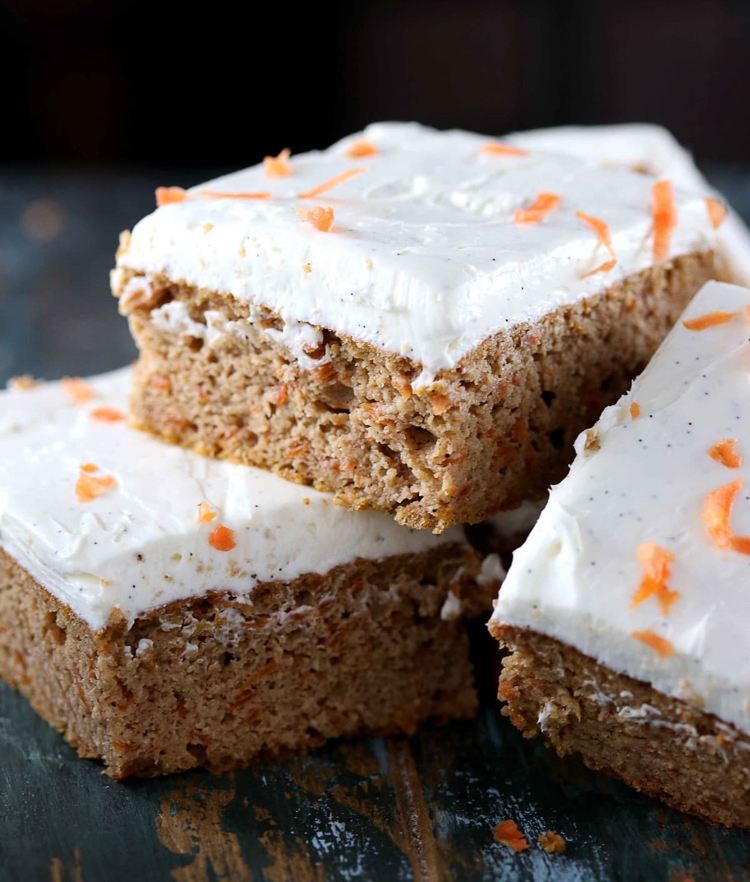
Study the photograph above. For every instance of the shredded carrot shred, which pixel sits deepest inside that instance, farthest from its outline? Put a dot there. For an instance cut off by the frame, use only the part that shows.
(635, 410)
(205, 513)
(551, 842)
(717, 513)
(90, 487)
(220, 194)
(89, 467)
(107, 414)
(656, 562)
(709, 320)
(222, 538)
(717, 211)
(507, 833)
(725, 452)
(278, 166)
(320, 218)
(498, 148)
(78, 389)
(717, 510)
(660, 645)
(331, 183)
(168, 195)
(601, 231)
(664, 214)
(538, 210)
(361, 148)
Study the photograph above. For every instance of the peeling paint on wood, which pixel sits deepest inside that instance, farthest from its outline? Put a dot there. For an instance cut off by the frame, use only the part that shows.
(189, 823)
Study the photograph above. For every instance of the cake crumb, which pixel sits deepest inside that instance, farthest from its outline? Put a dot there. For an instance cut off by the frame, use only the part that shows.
(23, 383)
(507, 833)
(551, 842)
(591, 440)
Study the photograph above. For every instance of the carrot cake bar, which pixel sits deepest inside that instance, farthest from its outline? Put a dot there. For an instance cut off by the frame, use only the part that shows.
(417, 321)
(626, 610)
(166, 611)
(648, 149)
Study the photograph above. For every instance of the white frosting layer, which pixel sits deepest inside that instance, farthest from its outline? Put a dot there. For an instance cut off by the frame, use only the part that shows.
(425, 259)
(140, 545)
(654, 150)
(576, 575)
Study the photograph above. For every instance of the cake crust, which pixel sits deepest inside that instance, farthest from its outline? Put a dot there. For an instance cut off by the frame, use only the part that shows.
(657, 744)
(221, 680)
(484, 436)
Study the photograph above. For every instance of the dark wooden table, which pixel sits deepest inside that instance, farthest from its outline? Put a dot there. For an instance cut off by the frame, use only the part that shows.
(391, 809)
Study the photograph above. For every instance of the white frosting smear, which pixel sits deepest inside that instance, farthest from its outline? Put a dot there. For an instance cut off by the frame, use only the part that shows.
(425, 258)
(140, 545)
(576, 576)
(656, 152)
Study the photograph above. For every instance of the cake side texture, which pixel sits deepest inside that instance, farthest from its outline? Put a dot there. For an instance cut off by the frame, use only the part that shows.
(662, 746)
(223, 378)
(371, 647)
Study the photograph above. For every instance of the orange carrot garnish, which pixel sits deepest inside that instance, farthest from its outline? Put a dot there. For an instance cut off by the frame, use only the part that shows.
(107, 414)
(89, 487)
(664, 214)
(221, 538)
(168, 195)
(89, 467)
(331, 183)
(497, 148)
(538, 210)
(551, 842)
(725, 452)
(278, 166)
(507, 833)
(635, 410)
(656, 562)
(360, 148)
(220, 194)
(709, 320)
(717, 211)
(78, 389)
(601, 231)
(660, 645)
(717, 512)
(320, 218)
(205, 513)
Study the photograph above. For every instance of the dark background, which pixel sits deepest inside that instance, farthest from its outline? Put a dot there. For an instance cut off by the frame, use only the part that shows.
(154, 83)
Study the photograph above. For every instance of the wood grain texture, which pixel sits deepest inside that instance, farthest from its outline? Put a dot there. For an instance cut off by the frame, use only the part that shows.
(387, 810)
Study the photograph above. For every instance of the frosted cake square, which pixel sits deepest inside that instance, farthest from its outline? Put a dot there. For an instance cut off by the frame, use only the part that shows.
(419, 322)
(626, 610)
(166, 611)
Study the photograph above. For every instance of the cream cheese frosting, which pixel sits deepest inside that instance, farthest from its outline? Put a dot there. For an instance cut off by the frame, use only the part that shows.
(655, 151)
(425, 259)
(139, 544)
(644, 476)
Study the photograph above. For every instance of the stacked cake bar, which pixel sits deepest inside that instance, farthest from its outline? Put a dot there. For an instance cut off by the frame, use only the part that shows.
(650, 150)
(166, 611)
(626, 610)
(419, 322)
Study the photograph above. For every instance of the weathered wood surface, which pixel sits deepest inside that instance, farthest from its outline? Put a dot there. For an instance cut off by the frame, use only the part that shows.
(419, 808)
